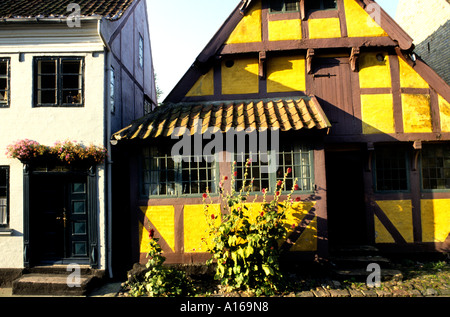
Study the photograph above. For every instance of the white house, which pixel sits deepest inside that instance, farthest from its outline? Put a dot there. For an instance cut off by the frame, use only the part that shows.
(68, 71)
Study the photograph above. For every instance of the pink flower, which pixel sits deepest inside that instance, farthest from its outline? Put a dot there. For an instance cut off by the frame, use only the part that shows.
(279, 183)
(263, 190)
(235, 174)
(205, 196)
(151, 234)
(298, 199)
(213, 217)
(289, 170)
(277, 193)
(296, 187)
(225, 178)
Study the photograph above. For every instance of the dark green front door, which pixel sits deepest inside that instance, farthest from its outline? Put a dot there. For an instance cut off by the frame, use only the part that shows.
(59, 219)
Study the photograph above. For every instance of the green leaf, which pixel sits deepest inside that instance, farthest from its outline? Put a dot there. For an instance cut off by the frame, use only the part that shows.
(267, 269)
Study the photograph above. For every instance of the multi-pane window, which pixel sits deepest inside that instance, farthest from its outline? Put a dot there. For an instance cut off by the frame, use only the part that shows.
(391, 169)
(164, 175)
(59, 81)
(315, 5)
(141, 51)
(436, 167)
(264, 175)
(281, 6)
(4, 82)
(4, 196)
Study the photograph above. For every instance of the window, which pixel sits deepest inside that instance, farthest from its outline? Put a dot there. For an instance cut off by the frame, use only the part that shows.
(4, 196)
(436, 167)
(112, 90)
(147, 105)
(281, 6)
(4, 82)
(315, 5)
(298, 158)
(141, 51)
(59, 81)
(391, 169)
(164, 176)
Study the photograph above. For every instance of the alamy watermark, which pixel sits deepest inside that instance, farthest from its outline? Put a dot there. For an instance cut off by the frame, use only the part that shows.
(374, 11)
(262, 145)
(374, 278)
(74, 278)
(74, 18)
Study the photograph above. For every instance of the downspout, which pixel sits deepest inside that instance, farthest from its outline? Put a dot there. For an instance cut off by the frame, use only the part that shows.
(108, 162)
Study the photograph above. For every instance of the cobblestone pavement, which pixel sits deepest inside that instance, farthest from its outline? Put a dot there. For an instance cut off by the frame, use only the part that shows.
(418, 280)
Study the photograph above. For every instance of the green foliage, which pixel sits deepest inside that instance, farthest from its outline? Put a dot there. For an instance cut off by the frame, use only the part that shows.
(245, 246)
(159, 280)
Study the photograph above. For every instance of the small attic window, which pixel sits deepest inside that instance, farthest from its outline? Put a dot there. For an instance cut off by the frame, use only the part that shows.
(317, 5)
(282, 6)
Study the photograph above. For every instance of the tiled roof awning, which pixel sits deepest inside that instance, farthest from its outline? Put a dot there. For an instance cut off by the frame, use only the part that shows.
(286, 115)
(16, 9)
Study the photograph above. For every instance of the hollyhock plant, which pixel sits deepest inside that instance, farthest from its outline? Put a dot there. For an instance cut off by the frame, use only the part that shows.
(245, 243)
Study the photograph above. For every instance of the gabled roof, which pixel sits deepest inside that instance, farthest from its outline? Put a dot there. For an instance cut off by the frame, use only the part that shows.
(22, 9)
(396, 35)
(286, 115)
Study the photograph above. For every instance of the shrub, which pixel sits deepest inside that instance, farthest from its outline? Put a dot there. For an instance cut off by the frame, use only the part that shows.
(245, 246)
(159, 280)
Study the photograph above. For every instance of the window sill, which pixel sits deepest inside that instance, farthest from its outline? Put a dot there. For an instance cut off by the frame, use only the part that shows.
(6, 232)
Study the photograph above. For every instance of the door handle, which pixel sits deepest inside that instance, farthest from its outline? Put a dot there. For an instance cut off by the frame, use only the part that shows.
(324, 75)
(64, 218)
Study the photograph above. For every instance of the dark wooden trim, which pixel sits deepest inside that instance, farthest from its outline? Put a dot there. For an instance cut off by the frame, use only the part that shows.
(283, 16)
(26, 217)
(415, 91)
(92, 185)
(265, 18)
(388, 225)
(435, 111)
(305, 44)
(342, 18)
(375, 91)
(320, 197)
(396, 93)
(416, 205)
(322, 14)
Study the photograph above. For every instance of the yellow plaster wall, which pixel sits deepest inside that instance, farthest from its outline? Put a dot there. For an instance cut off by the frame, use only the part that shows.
(196, 226)
(162, 218)
(435, 219)
(416, 113)
(195, 223)
(399, 213)
(204, 86)
(286, 74)
(284, 30)
(249, 29)
(444, 110)
(324, 28)
(241, 78)
(359, 22)
(377, 112)
(372, 72)
(409, 78)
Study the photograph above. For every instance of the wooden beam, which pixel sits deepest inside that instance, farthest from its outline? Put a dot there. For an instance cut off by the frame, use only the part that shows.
(354, 58)
(262, 61)
(305, 44)
(309, 60)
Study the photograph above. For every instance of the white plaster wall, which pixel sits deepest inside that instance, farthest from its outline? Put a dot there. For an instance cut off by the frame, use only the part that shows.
(48, 125)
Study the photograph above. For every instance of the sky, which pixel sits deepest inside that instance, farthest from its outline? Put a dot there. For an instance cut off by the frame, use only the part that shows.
(180, 29)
